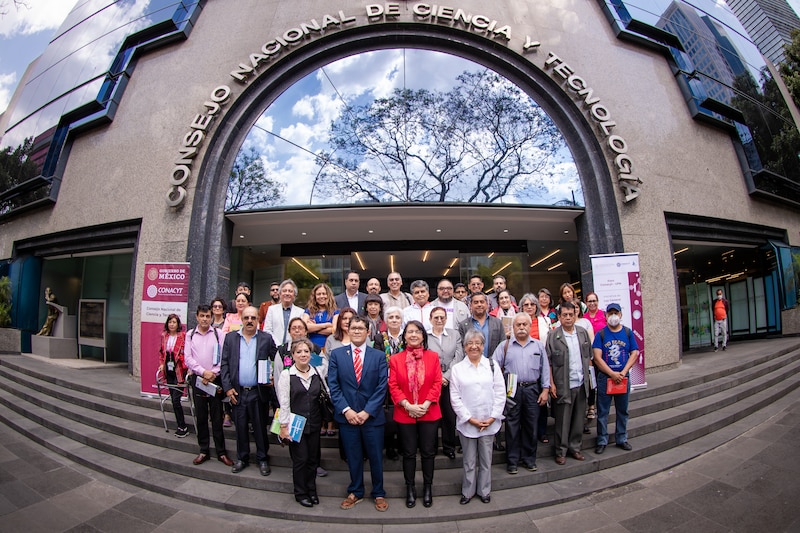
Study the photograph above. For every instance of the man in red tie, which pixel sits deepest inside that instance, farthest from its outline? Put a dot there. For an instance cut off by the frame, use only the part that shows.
(357, 378)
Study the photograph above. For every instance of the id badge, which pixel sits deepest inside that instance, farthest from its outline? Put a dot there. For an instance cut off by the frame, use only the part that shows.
(171, 366)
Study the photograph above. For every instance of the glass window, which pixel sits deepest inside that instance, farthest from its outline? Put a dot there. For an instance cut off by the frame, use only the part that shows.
(403, 125)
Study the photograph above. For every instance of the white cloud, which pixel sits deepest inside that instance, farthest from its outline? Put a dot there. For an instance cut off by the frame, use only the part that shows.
(35, 16)
(7, 84)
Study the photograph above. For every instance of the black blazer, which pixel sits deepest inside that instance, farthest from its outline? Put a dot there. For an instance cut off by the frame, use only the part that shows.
(229, 365)
(342, 302)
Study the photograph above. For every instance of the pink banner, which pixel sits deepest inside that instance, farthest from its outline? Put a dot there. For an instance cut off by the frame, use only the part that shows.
(165, 291)
(616, 280)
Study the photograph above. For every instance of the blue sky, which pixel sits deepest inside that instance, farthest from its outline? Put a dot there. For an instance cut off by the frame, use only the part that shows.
(24, 35)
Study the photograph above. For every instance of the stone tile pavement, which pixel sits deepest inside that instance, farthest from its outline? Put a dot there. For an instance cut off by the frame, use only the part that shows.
(751, 483)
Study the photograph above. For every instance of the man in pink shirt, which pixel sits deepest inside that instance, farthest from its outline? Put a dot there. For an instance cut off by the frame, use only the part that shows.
(203, 351)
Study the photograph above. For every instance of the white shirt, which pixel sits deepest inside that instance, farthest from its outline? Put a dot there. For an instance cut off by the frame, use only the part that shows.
(415, 312)
(575, 363)
(457, 312)
(475, 392)
(284, 390)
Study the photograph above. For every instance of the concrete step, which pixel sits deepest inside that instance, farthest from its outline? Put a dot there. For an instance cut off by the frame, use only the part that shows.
(615, 467)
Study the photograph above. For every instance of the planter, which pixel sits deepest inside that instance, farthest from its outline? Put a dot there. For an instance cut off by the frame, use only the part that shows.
(10, 340)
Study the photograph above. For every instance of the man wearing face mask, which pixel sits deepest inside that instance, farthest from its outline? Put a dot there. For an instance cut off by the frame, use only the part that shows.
(721, 309)
(615, 352)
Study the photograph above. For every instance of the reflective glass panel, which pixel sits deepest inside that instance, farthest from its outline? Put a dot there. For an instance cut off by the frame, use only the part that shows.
(403, 125)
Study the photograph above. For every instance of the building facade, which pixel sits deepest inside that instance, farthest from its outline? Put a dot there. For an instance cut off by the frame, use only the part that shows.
(263, 140)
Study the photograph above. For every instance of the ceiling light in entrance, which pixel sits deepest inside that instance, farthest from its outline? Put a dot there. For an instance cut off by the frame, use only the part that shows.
(545, 258)
(501, 268)
(360, 262)
(391, 263)
(301, 265)
(425, 256)
(453, 263)
(554, 266)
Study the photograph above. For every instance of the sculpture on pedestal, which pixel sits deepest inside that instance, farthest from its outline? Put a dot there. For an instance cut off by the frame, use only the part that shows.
(53, 312)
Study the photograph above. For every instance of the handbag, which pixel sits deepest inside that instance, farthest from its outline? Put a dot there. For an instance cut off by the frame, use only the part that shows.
(325, 402)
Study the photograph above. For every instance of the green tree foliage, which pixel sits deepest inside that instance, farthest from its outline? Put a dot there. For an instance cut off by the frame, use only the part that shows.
(485, 140)
(5, 301)
(249, 186)
(16, 167)
(775, 136)
(790, 68)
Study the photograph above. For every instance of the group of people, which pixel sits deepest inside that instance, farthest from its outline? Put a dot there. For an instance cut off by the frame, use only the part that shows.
(393, 370)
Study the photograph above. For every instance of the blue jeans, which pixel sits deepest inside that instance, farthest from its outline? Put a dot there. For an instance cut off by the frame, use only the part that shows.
(604, 407)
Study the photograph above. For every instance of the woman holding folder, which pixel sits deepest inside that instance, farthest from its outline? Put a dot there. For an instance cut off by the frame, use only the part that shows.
(299, 388)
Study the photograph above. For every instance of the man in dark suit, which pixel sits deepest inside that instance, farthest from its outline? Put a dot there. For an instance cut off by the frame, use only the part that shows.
(244, 353)
(491, 327)
(352, 297)
(357, 378)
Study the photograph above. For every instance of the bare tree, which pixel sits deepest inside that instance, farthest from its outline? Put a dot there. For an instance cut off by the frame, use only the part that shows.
(5, 5)
(249, 186)
(485, 140)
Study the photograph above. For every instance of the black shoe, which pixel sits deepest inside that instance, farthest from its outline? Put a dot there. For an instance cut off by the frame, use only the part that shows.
(450, 454)
(512, 469)
(724, 347)
(392, 454)
(427, 496)
(464, 500)
(306, 502)
(314, 499)
(182, 432)
(625, 446)
(238, 466)
(498, 447)
(586, 430)
(459, 450)
(486, 499)
(411, 496)
(264, 468)
(530, 467)
(600, 449)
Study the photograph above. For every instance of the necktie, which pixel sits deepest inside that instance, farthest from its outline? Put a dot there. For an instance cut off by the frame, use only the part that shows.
(357, 364)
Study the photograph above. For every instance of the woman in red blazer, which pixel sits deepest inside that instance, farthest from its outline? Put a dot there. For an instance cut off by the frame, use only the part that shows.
(415, 383)
(173, 367)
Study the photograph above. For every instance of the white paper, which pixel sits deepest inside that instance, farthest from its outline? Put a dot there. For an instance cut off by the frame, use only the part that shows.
(264, 373)
(209, 388)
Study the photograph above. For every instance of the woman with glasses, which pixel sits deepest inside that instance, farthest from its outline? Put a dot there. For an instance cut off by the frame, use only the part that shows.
(478, 395)
(415, 383)
(596, 316)
(217, 313)
(373, 304)
(447, 344)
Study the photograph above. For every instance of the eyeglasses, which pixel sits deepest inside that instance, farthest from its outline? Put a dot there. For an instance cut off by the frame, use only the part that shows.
(249, 318)
(445, 288)
(358, 328)
(591, 301)
(274, 289)
(438, 318)
(474, 343)
(217, 306)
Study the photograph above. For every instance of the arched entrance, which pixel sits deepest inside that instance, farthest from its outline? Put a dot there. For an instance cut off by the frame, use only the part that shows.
(212, 235)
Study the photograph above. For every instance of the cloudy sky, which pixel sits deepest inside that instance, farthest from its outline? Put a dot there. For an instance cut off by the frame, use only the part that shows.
(24, 34)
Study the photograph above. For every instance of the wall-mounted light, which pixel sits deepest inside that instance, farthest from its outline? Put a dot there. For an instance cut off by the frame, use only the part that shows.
(555, 266)
(301, 265)
(360, 262)
(545, 258)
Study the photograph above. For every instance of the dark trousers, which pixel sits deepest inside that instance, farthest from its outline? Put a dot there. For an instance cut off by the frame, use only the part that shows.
(305, 460)
(569, 421)
(176, 395)
(449, 440)
(541, 425)
(420, 435)
(206, 406)
(358, 442)
(390, 441)
(249, 409)
(521, 427)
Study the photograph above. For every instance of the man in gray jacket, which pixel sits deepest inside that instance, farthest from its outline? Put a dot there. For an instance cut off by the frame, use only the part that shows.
(569, 349)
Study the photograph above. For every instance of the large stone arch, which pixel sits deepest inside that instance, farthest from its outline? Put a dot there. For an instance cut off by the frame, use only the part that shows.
(210, 234)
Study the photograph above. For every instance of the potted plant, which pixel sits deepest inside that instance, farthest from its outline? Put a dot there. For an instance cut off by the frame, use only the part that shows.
(9, 338)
